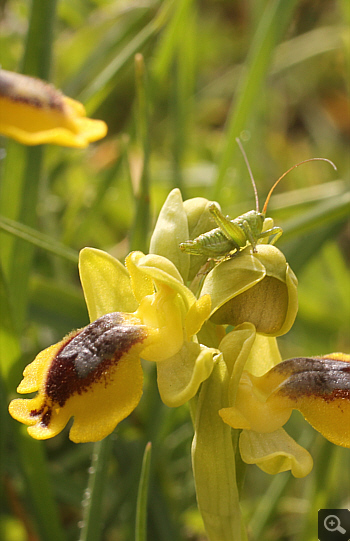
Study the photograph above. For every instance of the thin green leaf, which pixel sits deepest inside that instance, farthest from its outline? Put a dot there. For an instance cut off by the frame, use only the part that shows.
(38, 239)
(272, 25)
(91, 525)
(138, 237)
(94, 94)
(335, 209)
(39, 486)
(142, 496)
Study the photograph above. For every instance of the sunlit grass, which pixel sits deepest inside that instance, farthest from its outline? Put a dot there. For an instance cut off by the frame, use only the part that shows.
(210, 72)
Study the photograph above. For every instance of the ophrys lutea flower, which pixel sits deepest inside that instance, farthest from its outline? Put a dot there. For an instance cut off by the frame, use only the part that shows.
(95, 374)
(34, 112)
(264, 391)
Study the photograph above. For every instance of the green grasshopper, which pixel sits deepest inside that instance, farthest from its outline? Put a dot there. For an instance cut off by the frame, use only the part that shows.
(233, 235)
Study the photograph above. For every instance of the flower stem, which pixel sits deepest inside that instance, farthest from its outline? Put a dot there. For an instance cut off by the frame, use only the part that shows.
(213, 460)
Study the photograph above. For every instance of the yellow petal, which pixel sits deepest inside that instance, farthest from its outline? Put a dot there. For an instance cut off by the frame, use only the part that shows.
(320, 389)
(236, 347)
(96, 412)
(274, 453)
(196, 315)
(93, 375)
(263, 356)
(145, 269)
(34, 112)
(35, 372)
(107, 404)
(106, 284)
(141, 283)
(180, 376)
(20, 409)
(163, 315)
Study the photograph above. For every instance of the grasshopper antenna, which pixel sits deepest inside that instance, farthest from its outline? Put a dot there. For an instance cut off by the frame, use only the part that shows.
(250, 173)
(289, 170)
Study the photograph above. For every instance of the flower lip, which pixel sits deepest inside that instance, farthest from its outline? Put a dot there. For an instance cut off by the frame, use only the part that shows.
(29, 90)
(34, 112)
(327, 378)
(85, 358)
(107, 336)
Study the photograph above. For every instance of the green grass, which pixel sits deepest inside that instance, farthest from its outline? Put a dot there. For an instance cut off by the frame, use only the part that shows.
(210, 72)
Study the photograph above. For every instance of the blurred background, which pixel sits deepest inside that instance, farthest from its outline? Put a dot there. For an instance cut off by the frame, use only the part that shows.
(276, 74)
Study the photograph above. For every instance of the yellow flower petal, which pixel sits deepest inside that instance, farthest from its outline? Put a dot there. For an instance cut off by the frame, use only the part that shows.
(318, 387)
(162, 313)
(275, 453)
(93, 375)
(263, 356)
(197, 314)
(106, 284)
(180, 376)
(35, 372)
(34, 112)
(253, 412)
(108, 404)
(236, 347)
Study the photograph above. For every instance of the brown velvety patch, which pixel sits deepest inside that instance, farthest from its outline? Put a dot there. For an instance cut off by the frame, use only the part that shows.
(319, 377)
(29, 90)
(86, 358)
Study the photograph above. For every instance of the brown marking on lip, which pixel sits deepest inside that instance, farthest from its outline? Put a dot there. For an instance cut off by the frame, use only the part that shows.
(86, 358)
(319, 377)
(31, 91)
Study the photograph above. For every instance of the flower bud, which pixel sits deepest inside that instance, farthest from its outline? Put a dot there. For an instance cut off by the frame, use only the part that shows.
(257, 287)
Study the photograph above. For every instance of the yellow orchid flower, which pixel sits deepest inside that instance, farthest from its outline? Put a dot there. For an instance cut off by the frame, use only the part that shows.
(34, 112)
(263, 395)
(95, 373)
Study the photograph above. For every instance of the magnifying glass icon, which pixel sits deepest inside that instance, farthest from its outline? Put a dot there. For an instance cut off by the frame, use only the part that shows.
(332, 524)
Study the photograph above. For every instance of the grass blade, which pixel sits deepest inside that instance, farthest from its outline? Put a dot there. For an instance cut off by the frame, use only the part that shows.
(138, 237)
(38, 239)
(91, 525)
(141, 508)
(272, 25)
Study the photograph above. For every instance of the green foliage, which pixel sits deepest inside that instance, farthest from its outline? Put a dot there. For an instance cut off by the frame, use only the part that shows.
(273, 73)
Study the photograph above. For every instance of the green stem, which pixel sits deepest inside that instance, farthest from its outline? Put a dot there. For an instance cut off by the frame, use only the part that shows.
(213, 459)
(37, 56)
(91, 525)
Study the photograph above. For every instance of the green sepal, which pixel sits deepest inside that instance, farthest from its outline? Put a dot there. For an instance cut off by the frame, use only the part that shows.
(254, 286)
(232, 277)
(236, 347)
(106, 284)
(171, 229)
